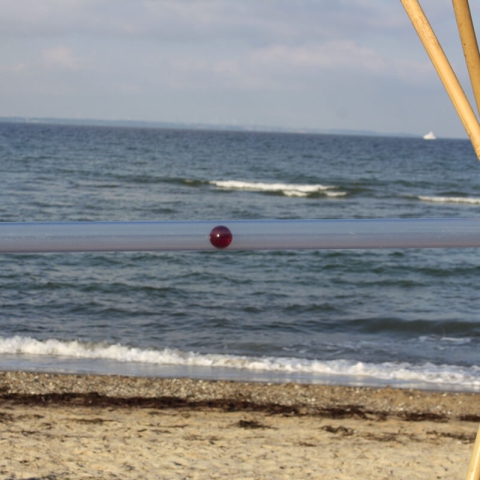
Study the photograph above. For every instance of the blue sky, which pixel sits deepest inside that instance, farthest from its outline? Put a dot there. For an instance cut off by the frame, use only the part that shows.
(299, 64)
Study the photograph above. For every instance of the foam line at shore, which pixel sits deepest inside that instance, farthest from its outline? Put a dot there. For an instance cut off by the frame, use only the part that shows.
(428, 374)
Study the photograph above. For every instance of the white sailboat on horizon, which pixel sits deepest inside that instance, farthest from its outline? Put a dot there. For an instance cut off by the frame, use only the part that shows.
(429, 136)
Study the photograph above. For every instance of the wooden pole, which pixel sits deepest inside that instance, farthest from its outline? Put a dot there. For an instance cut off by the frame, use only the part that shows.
(474, 468)
(472, 58)
(459, 100)
(469, 45)
(445, 71)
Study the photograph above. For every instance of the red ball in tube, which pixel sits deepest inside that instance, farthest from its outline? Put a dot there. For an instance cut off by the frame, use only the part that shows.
(221, 237)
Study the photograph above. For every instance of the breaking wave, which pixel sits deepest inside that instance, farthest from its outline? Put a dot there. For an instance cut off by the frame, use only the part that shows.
(391, 373)
(467, 200)
(287, 189)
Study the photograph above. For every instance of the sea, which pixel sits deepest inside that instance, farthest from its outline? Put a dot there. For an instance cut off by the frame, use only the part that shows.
(407, 318)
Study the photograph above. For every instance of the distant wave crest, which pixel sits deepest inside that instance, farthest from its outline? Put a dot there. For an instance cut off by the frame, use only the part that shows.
(468, 378)
(468, 200)
(287, 189)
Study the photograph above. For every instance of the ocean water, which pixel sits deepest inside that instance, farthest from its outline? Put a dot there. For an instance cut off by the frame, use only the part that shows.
(408, 318)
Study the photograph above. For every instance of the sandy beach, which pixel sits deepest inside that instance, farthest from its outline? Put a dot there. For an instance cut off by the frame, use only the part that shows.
(105, 427)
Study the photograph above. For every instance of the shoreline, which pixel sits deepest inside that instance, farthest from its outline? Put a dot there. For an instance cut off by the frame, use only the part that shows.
(60, 426)
(295, 398)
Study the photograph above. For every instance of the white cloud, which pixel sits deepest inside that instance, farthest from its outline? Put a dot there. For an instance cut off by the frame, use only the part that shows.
(343, 54)
(250, 21)
(341, 57)
(61, 58)
(16, 68)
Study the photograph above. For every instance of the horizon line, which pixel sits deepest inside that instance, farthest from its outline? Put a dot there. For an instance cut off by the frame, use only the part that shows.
(204, 126)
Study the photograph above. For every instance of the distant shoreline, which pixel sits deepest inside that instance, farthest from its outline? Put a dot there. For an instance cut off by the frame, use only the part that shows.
(203, 127)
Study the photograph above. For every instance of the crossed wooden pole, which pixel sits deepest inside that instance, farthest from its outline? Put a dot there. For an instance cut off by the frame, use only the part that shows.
(458, 97)
(443, 67)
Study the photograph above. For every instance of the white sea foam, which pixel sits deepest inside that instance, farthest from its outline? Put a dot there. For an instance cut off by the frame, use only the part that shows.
(467, 378)
(440, 340)
(468, 200)
(287, 189)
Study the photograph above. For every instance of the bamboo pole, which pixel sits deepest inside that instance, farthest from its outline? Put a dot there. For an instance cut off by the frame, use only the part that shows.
(445, 71)
(454, 89)
(469, 45)
(459, 100)
(474, 468)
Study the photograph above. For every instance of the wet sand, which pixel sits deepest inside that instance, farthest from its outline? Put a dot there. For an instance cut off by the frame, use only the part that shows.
(105, 427)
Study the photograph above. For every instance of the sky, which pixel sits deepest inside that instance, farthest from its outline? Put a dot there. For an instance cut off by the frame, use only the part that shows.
(292, 64)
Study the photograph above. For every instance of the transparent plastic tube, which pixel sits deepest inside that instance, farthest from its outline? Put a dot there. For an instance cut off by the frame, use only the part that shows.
(244, 235)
